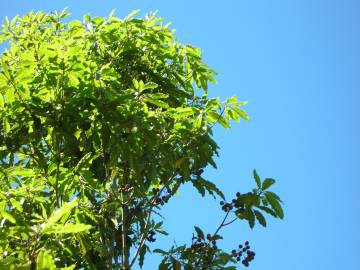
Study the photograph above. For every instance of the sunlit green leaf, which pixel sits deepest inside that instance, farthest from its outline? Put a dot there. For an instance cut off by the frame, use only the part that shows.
(8, 216)
(132, 14)
(67, 228)
(58, 214)
(45, 261)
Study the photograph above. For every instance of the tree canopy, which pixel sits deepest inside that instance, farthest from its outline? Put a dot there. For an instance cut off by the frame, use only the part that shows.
(102, 121)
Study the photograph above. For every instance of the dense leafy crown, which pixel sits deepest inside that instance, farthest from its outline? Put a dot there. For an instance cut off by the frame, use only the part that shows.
(101, 122)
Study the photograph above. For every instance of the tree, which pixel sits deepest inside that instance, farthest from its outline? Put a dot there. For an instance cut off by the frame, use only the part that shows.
(102, 121)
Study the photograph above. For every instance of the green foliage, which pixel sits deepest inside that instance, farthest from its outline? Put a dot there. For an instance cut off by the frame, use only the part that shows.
(102, 121)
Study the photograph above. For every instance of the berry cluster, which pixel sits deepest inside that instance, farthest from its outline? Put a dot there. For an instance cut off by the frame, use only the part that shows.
(206, 248)
(227, 207)
(199, 245)
(244, 253)
(135, 209)
(150, 236)
(163, 199)
(155, 191)
(126, 188)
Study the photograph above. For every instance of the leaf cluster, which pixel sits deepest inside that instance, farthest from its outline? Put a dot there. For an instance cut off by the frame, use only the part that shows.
(102, 121)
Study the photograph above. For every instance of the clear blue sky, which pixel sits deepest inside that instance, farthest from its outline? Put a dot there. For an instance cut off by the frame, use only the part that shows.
(297, 62)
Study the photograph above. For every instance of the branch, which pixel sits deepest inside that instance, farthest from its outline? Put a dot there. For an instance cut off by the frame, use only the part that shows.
(221, 225)
(217, 120)
(225, 224)
(124, 212)
(143, 236)
(57, 181)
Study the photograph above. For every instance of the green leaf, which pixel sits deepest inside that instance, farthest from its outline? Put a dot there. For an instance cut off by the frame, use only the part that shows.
(22, 172)
(214, 117)
(199, 232)
(86, 160)
(200, 188)
(198, 121)
(132, 14)
(224, 258)
(250, 217)
(161, 231)
(111, 14)
(216, 237)
(158, 225)
(142, 255)
(149, 85)
(242, 114)
(241, 214)
(8, 216)
(260, 218)
(231, 100)
(164, 266)
(160, 251)
(16, 204)
(185, 170)
(272, 194)
(45, 261)
(68, 228)
(268, 210)
(249, 199)
(268, 182)
(257, 179)
(183, 112)
(157, 102)
(58, 214)
(136, 84)
(275, 205)
(176, 265)
(211, 187)
(224, 122)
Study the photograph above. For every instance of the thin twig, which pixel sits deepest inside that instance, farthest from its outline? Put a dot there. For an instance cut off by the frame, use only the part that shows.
(221, 225)
(225, 224)
(143, 236)
(217, 120)
(124, 213)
